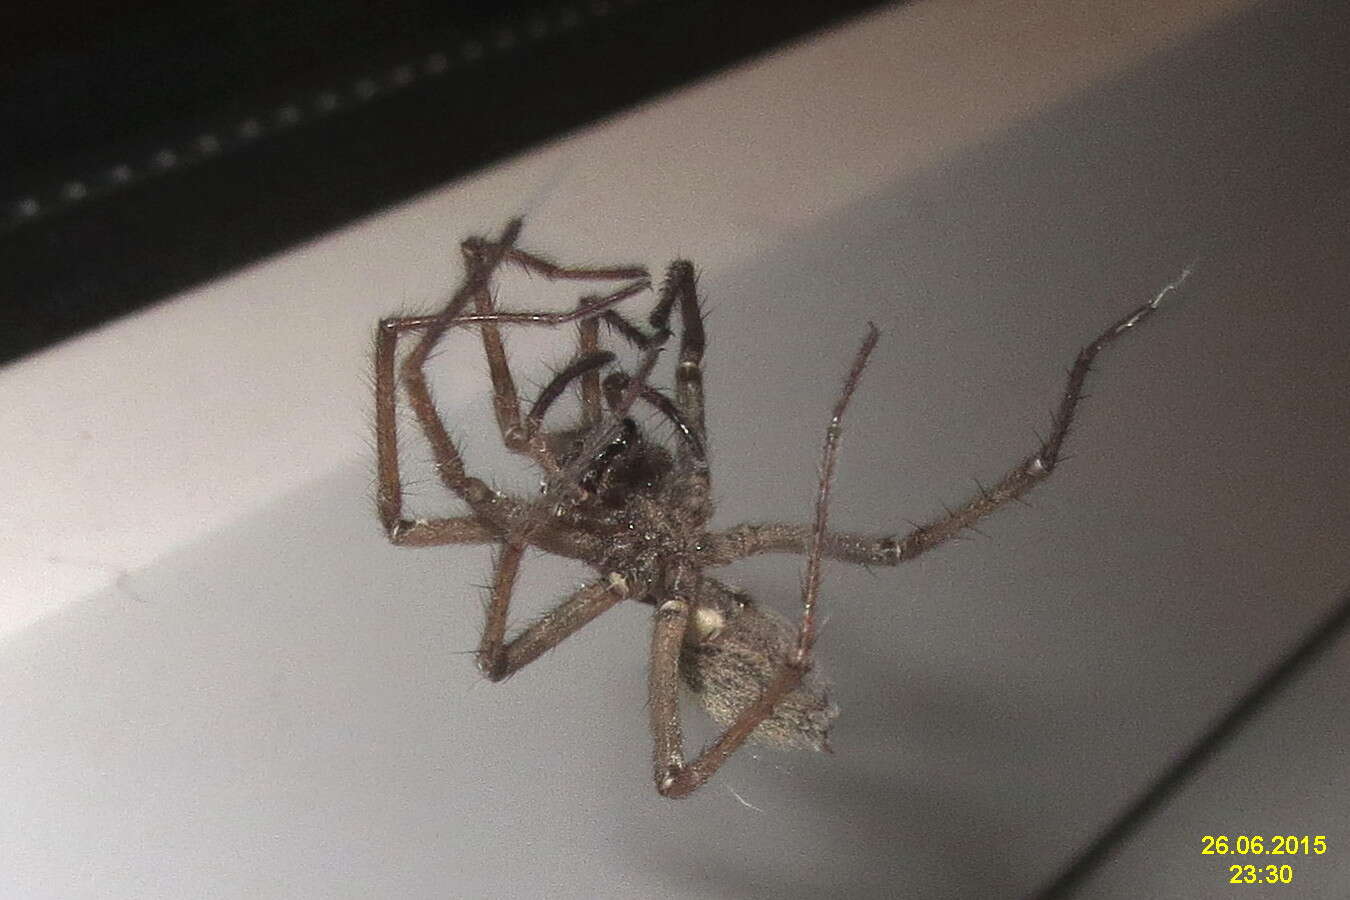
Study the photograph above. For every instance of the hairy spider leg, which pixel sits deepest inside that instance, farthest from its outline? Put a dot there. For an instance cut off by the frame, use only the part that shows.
(470, 529)
(492, 511)
(588, 343)
(494, 516)
(389, 496)
(485, 503)
(675, 778)
(586, 314)
(487, 256)
(687, 410)
(750, 539)
(562, 482)
(527, 519)
(589, 307)
(499, 658)
(681, 285)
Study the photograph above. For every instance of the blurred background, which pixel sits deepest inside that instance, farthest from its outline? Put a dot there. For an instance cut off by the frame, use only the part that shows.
(151, 145)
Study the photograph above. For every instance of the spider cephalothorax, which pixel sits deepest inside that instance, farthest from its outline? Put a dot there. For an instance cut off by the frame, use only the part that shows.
(626, 466)
(637, 510)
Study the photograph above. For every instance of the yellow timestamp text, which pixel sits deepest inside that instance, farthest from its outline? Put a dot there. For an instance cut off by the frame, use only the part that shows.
(1263, 845)
(1271, 874)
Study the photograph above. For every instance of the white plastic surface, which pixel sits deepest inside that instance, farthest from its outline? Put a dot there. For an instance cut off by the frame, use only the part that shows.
(219, 680)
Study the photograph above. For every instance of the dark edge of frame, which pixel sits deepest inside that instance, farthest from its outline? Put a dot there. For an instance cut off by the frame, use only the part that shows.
(101, 233)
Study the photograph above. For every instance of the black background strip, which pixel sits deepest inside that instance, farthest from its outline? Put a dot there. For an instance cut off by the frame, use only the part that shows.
(150, 147)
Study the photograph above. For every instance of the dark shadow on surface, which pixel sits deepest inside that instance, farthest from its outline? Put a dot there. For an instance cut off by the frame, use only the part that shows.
(1133, 818)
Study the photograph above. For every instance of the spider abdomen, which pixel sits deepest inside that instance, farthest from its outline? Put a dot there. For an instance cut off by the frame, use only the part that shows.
(729, 671)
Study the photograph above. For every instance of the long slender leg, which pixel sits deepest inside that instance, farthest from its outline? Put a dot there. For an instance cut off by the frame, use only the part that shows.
(488, 506)
(588, 307)
(681, 285)
(439, 532)
(691, 454)
(675, 778)
(546, 267)
(588, 342)
(753, 538)
(499, 658)
(747, 540)
(389, 501)
(691, 431)
(506, 400)
(419, 532)
(389, 496)
(585, 314)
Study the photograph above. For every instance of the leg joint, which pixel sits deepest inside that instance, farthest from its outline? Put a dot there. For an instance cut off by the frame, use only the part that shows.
(672, 782)
(671, 609)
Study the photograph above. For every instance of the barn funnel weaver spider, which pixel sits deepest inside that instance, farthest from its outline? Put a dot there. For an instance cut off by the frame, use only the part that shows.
(637, 511)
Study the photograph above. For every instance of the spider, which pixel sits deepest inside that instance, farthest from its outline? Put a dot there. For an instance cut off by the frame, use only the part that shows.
(637, 511)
